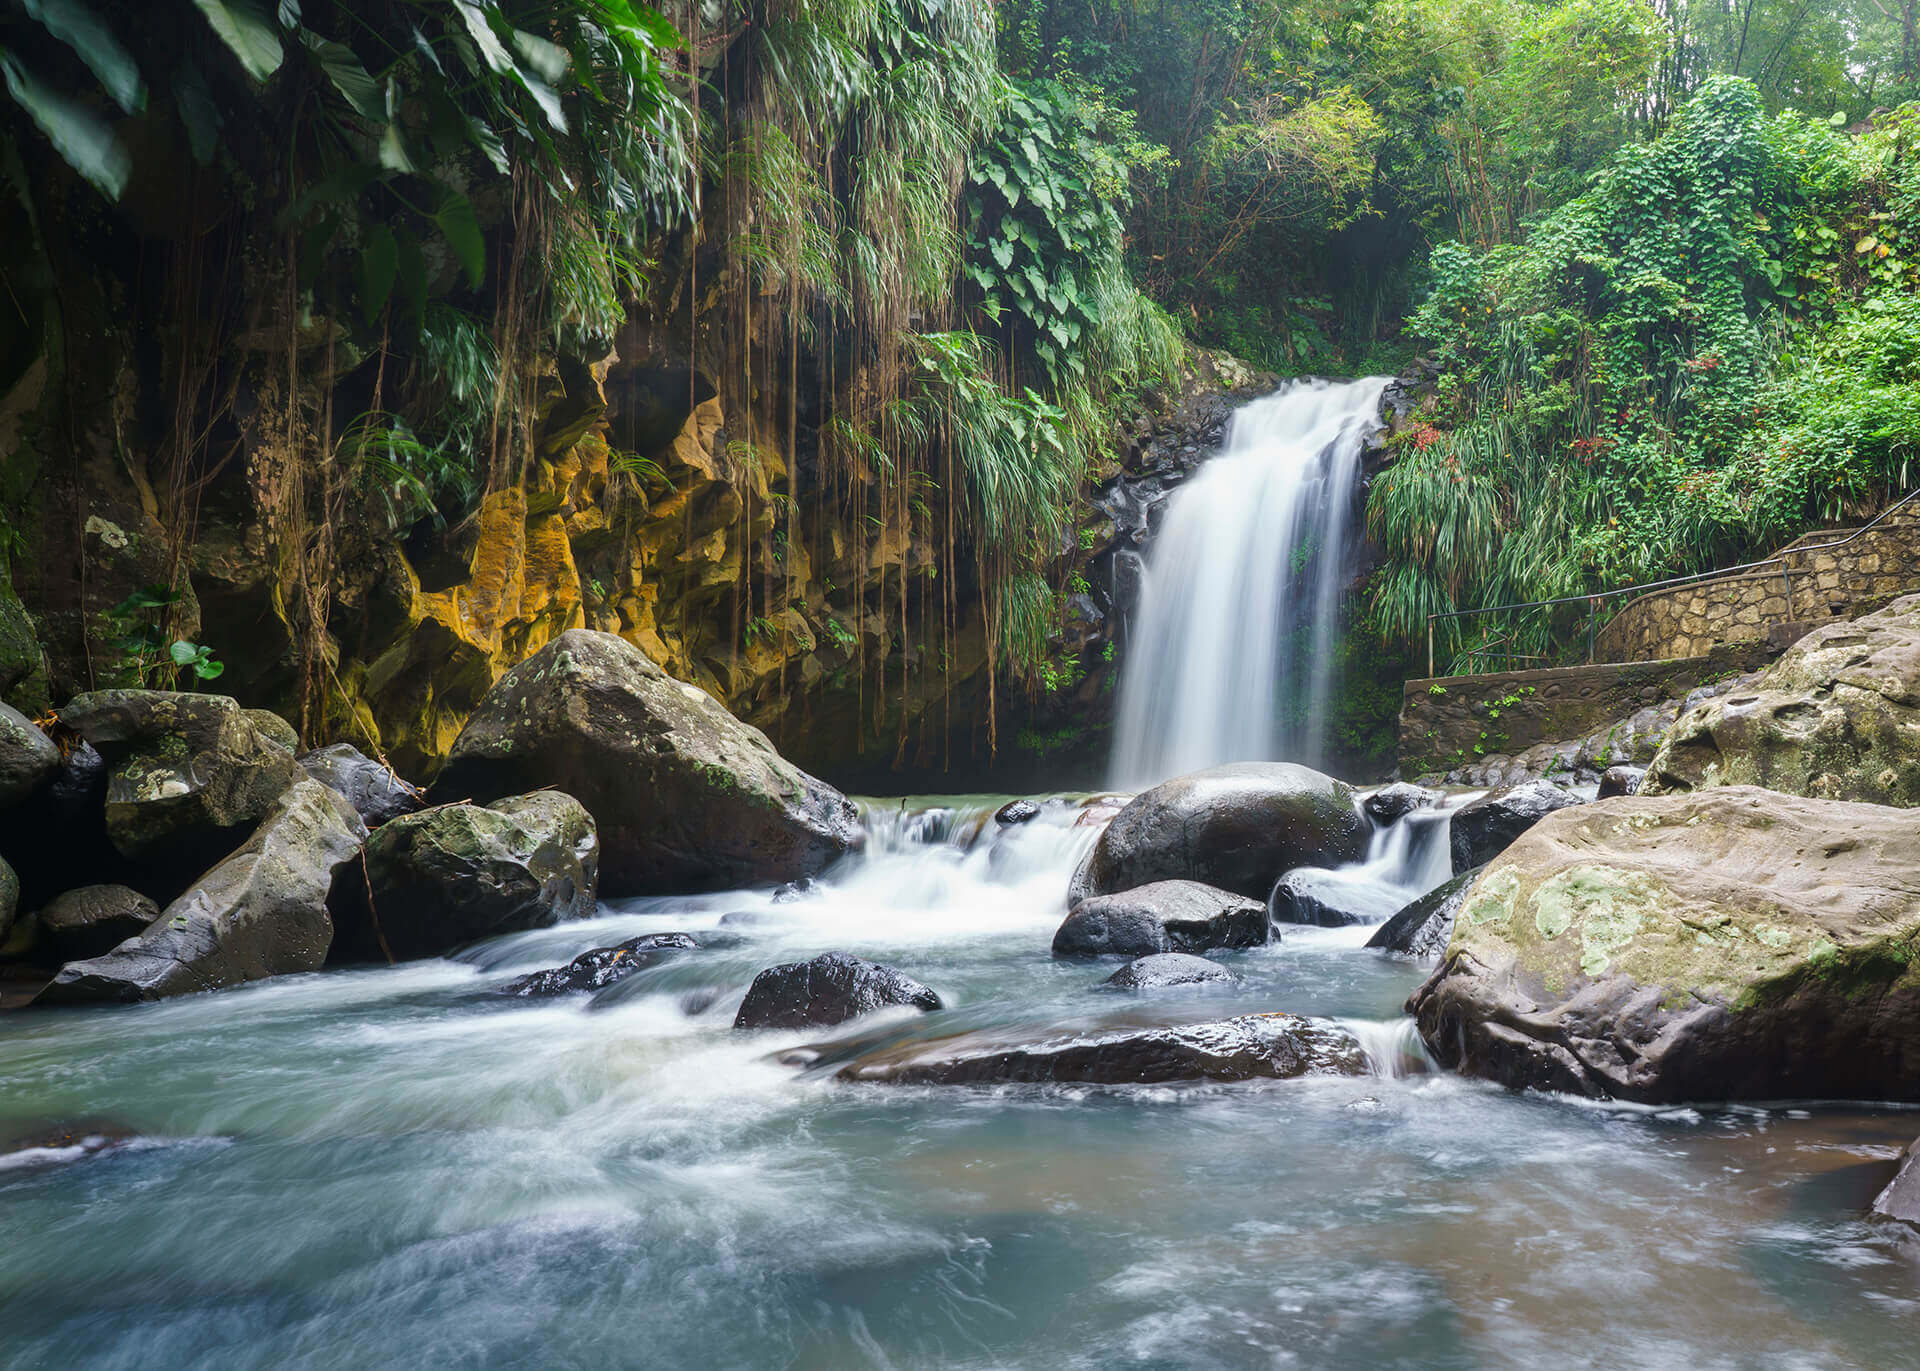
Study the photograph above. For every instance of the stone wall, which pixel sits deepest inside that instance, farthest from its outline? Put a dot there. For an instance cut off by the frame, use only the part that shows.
(1817, 587)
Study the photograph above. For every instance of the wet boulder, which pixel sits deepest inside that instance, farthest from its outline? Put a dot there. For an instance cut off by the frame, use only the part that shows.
(93, 920)
(1165, 916)
(450, 876)
(261, 912)
(374, 791)
(688, 797)
(1616, 781)
(1389, 804)
(1481, 831)
(1900, 1199)
(28, 757)
(188, 775)
(1837, 717)
(1169, 971)
(1423, 927)
(1016, 812)
(1329, 899)
(1735, 943)
(1251, 1047)
(831, 989)
(1238, 827)
(601, 967)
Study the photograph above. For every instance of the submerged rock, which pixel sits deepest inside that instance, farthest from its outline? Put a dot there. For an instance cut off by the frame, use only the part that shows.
(602, 967)
(1481, 831)
(1166, 916)
(28, 757)
(1238, 827)
(1168, 971)
(375, 792)
(261, 912)
(1251, 1047)
(1424, 926)
(688, 797)
(1838, 717)
(1327, 900)
(1017, 812)
(450, 876)
(93, 920)
(1736, 943)
(828, 990)
(1392, 803)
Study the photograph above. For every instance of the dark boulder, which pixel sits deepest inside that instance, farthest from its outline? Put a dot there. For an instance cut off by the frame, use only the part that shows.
(1392, 803)
(1017, 812)
(828, 990)
(60, 835)
(1482, 830)
(1616, 781)
(450, 876)
(374, 791)
(9, 899)
(689, 798)
(1251, 1047)
(1238, 827)
(1424, 926)
(261, 912)
(1901, 1198)
(28, 757)
(1735, 943)
(93, 920)
(1169, 971)
(602, 967)
(1327, 899)
(1166, 916)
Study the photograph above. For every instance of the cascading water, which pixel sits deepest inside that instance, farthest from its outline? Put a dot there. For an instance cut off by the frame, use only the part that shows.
(1230, 659)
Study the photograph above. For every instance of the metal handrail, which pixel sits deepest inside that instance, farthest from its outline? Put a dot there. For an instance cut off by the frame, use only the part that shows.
(1778, 559)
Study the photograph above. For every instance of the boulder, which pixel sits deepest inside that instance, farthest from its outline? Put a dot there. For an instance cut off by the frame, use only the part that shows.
(1616, 781)
(374, 791)
(689, 798)
(93, 920)
(828, 990)
(274, 729)
(1329, 899)
(1392, 803)
(188, 775)
(1838, 717)
(1169, 971)
(602, 967)
(1424, 926)
(453, 875)
(9, 899)
(28, 758)
(1017, 812)
(1238, 827)
(1251, 1047)
(261, 912)
(1735, 943)
(1900, 1199)
(1166, 916)
(1481, 831)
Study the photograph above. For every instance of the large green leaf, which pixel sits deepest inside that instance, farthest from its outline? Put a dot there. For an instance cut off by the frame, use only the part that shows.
(349, 77)
(462, 229)
(491, 48)
(80, 29)
(248, 34)
(76, 132)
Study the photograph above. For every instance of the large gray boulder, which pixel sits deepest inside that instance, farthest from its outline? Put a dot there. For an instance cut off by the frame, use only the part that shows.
(450, 876)
(261, 912)
(1238, 827)
(688, 797)
(93, 920)
(188, 775)
(28, 757)
(831, 989)
(1251, 1047)
(1735, 943)
(1481, 831)
(1838, 717)
(376, 793)
(1166, 916)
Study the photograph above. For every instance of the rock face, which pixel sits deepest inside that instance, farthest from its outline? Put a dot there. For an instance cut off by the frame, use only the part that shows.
(1254, 1046)
(93, 920)
(1322, 898)
(1396, 801)
(261, 912)
(1482, 830)
(1238, 827)
(1838, 716)
(1165, 916)
(28, 758)
(375, 793)
(828, 990)
(189, 775)
(450, 876)
(1424, 926)
(602, 967)
(1169, 971)
(1731, 944)
(1901, 1198)
(689, 797)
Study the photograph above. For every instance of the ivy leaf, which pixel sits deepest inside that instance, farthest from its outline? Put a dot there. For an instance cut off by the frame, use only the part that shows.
(247, 34)
(79, 135)
(379, 265)
(77, 26)
(462, 229)
(1002, 252)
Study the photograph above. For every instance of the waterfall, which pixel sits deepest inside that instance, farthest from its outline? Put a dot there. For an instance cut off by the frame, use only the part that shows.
(1230, 659)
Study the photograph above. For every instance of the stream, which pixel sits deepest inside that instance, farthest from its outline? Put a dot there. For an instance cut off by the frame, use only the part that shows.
(399, 1167)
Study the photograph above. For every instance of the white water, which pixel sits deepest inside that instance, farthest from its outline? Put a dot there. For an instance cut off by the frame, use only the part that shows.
(1231, 660)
